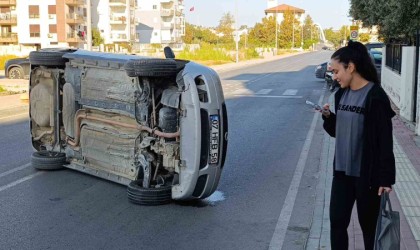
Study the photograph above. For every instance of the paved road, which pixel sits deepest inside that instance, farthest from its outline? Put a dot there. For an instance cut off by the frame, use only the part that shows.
(259, 200)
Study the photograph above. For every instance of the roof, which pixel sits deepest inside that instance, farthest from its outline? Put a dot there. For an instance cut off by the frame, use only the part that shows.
(283, 8)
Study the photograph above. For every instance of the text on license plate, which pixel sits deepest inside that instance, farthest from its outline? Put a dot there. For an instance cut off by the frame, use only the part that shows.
(214, 139)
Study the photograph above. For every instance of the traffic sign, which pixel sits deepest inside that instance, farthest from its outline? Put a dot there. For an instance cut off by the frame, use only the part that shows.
(354, 33)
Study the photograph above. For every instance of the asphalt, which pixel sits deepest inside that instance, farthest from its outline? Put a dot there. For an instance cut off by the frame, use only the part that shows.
(271, 184)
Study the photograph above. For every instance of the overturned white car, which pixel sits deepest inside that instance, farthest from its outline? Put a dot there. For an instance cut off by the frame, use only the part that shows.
(158, 126)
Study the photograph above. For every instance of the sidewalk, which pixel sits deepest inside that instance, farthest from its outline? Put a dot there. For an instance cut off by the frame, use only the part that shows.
(11, 105)
(405, 198)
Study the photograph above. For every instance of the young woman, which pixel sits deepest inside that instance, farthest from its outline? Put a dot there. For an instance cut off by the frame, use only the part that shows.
(364, 163)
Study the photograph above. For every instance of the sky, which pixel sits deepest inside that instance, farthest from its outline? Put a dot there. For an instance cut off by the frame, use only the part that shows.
(327, 13)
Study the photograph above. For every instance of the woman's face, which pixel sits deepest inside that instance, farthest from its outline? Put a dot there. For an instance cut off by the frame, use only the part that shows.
(342, 74)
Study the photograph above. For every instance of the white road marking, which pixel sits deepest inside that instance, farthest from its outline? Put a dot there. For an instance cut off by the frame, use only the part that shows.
(263, 91)
(259, 78)
(243, 92)
(271, 96)
(15, 170)
(290, 92)
(2, 188)
(286, 212)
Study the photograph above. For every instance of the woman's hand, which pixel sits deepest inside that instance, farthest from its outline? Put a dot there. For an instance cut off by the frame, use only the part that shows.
(382, 189)
(326, 110)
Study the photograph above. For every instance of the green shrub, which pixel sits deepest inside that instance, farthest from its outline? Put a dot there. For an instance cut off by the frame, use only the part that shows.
(206, 53)
(4, 58)
(2, 89)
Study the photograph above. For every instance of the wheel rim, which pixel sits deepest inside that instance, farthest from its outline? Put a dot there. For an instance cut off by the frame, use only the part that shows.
(15, 74)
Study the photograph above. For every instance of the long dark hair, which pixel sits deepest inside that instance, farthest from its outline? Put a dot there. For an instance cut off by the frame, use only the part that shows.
(357, 53)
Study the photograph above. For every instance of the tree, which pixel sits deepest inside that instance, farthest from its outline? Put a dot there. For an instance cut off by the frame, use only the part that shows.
(264, 34)
(96, 37)
(289, 31)
(393, 17)
(345, 33)
(333, 36)
(226, 27)
(364, 38)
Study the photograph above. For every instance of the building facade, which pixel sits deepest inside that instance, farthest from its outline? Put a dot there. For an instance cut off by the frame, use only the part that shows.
(52, 23)
(8, 22)
(278, 11)
(160, 21)
(115, 20)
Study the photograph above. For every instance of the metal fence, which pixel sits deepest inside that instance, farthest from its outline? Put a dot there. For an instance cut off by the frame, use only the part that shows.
(393, 56)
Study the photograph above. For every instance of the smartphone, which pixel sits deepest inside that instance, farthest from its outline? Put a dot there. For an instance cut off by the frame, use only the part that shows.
(313, 105)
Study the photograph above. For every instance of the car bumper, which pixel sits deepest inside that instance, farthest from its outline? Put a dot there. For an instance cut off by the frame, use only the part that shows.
(202, 99)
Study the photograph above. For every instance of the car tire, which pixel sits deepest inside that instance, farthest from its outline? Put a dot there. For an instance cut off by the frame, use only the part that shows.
(50, 57)
(16, 73)
(151, 68)
(137, 194)
(48, 160)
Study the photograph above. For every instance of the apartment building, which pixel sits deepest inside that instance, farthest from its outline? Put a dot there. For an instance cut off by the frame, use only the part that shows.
(115, 20)
(52, 23)
(278, 11)
(160, 21)
(8, 22)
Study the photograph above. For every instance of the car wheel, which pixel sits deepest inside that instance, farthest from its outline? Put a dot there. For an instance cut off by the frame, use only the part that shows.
(48, 160)
(151, 68)
(16, 73)
(137, 194)
(50, 57)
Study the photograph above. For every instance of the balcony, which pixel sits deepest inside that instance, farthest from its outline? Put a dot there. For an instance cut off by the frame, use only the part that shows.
(7, 3)
(118, 19)
(167, 26)
(166, 13)
(117, 3)
(119, 37)
(74, 2)
(8, 38)
(7, 19)
(75, 19)
(72, 37)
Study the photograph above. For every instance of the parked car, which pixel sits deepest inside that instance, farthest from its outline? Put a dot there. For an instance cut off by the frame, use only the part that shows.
(17, 68)
(376, 56)
(158, 126)
(375, 52)
(320, 70)
(329, 79)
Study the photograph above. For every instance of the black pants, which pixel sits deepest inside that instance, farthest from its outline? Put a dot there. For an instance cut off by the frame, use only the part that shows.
(345, 191)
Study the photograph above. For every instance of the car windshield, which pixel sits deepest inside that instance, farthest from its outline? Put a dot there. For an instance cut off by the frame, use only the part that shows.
(376, 55)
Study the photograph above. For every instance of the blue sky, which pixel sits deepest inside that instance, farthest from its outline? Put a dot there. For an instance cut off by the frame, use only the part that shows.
(328, 13)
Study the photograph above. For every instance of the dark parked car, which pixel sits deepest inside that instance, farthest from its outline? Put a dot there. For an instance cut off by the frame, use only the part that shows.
(375, 52)
(320, 70)
(17, 68)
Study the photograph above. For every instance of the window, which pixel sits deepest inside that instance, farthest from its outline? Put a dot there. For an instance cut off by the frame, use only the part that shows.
(155, 7)
(34, 30)
(53, 28)
(52, 9)
(33, 11)
(155, 34)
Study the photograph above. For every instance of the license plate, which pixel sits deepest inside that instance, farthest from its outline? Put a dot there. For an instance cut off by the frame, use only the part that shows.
(214, 139)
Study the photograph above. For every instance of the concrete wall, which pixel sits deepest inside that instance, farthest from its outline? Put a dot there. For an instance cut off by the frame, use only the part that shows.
(418, 105)
(400, 88)
(18, 50)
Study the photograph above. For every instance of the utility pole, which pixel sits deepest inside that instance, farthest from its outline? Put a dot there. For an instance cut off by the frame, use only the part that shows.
(89, 25)
(276, 30)
(293, 30)
(236, 31)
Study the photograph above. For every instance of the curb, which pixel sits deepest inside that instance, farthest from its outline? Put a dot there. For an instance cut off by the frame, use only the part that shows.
(12, 111)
